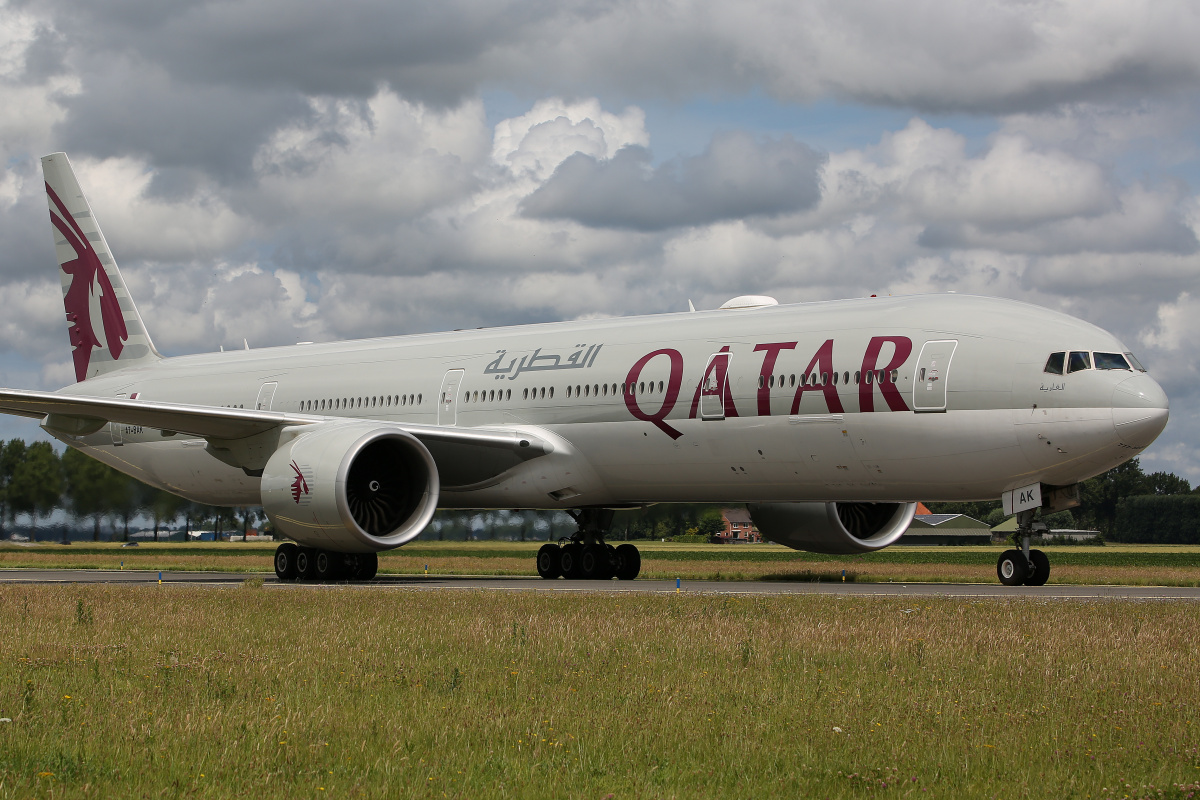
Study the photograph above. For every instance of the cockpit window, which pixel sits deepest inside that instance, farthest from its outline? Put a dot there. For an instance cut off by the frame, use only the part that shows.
(1054, 364)
(1079, 361)
(1136, 364)
(1111, 361)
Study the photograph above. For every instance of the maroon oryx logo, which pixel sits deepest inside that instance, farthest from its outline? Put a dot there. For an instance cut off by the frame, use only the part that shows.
(87, 276)
(300, 485)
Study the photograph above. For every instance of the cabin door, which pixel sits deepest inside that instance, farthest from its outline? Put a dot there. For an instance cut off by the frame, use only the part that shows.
(448, 399)
(265, 395)
(715, 387)
(933, 370)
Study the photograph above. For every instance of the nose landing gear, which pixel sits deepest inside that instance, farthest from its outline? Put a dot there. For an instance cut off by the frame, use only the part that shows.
(1024, 567)
(586, 555)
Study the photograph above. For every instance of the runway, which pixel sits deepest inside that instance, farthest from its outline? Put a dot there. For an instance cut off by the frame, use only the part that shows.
(531, 584)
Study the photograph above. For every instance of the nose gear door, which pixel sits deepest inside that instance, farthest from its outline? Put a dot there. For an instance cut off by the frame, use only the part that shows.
(933, 369)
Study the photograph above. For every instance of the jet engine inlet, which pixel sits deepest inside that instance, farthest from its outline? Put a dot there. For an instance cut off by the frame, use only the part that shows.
(351, 488)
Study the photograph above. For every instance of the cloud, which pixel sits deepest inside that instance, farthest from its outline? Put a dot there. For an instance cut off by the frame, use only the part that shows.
(735, 177)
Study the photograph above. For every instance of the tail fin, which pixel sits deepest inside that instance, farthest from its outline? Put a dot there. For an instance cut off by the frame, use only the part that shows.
(105, 329)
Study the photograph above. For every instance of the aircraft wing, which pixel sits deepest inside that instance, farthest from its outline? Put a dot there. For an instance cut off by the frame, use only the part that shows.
(76, 414)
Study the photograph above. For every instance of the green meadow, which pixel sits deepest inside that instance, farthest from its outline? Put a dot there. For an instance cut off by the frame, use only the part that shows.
(149, 691)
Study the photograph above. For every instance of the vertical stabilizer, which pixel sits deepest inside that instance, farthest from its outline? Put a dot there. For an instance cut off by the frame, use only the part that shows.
(105, 329)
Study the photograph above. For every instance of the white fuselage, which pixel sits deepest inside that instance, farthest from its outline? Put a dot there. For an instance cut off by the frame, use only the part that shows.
(638, 411)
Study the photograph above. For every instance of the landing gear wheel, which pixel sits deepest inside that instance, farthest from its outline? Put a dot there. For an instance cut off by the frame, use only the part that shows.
(568, 560)
(548, 565)
(629, 562)
(1041, 569)
(306, 563)
(594, 564)
(1012, 568)
(327, 566)
(364, 567)
(285, 561)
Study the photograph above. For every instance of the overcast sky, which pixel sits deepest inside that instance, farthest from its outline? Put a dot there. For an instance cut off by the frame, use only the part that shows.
(286, 171)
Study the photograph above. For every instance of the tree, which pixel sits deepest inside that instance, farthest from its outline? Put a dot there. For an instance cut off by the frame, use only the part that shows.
(711, 523)
(1166, 483)
(11, 455)
(91, 487)
(37, 484)
(162, 506)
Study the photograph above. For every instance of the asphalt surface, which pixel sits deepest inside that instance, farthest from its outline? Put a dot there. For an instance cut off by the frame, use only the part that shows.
(468, 582)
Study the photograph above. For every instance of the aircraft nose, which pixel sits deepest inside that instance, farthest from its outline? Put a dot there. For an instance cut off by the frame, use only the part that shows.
(1139, 408)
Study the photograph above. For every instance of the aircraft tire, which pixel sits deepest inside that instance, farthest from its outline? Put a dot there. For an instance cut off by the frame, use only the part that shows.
(1011, 568)
(306, 563)
(366, 565)
(568, 559)
(594, 563)
(285, 561)
(629, 562)
(327, 566)
(548, 565)
(1041, 569)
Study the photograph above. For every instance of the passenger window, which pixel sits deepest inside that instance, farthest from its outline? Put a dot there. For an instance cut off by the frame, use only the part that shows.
(1054, 364)
(1079, 361)
(1110, 361)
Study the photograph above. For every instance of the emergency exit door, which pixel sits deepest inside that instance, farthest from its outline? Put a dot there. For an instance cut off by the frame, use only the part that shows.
(933, 370)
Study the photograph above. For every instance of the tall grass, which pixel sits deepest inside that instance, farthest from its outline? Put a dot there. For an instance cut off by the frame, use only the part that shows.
(362, 692)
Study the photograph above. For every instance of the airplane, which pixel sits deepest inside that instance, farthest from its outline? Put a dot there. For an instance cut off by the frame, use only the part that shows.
(829, 420)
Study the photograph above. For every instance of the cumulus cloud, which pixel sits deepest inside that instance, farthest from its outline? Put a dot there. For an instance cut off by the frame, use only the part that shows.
(278, 171)
(735, 177)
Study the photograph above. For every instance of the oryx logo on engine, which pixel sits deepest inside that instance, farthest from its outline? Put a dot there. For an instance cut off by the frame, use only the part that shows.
(299, 485)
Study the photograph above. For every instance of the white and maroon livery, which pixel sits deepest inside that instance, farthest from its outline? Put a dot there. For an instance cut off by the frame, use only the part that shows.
(829, 420)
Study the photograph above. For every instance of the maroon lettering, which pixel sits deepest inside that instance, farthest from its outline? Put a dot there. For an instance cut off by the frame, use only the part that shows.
(718, 368)
(823, 361)
(768, 369)
(669, 399)
(866, 393)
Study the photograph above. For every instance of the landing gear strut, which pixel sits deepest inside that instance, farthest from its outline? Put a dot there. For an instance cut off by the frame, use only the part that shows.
(586, 555)
(310, 564)
(1024, 566)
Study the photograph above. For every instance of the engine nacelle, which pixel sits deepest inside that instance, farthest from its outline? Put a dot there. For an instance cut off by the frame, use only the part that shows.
(836, 528)
(351, 488)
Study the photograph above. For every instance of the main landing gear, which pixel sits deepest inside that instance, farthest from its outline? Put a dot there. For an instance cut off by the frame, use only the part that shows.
(310, 564)
(1024, 566)
(586, 555)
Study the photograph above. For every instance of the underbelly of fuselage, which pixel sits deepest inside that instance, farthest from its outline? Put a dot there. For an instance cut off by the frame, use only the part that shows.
(956, 455)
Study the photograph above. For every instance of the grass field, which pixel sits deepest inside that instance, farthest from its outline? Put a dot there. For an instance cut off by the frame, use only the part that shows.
(1113, 564)
(364, 692)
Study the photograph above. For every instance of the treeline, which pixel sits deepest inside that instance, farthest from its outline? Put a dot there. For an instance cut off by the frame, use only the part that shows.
(1125, 504)
(36, 481)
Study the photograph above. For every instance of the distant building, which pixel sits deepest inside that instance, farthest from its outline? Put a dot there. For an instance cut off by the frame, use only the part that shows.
(739, 528)
(1007, 528)
(933, 529)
